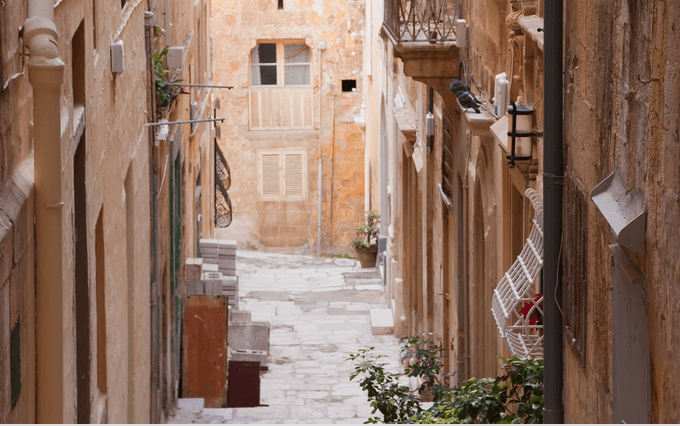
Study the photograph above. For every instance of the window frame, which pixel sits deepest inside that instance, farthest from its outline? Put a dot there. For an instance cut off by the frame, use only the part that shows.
(280, 63)
(282, 175)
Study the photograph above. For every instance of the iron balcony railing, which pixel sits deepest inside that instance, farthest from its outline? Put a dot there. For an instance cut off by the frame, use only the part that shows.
(426, 21)
(223, 212)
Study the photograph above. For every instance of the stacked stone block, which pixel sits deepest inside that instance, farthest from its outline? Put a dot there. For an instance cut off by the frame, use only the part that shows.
(205, 279)
(221, 253)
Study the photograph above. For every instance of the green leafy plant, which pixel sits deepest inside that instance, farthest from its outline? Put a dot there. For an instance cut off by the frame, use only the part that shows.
(425, 357)
(525, 378)
(367, 235)
(165, 92)
(340, 255)
(516, 396)
(395, 401)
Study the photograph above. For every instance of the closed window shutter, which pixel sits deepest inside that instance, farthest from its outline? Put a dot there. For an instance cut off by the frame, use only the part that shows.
(270, 172)
(294, 175)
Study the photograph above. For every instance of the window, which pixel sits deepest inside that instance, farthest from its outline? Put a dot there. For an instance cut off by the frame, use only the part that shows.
(349, 85)
(282, 175)
(281, 92)
(281, 64)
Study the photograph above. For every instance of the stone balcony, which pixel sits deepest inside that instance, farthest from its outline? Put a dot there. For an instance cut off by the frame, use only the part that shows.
(424, 36)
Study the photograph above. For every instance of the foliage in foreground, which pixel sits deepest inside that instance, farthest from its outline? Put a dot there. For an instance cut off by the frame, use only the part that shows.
(514, 397)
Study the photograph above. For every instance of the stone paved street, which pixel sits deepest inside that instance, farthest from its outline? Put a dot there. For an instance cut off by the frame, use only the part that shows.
(319, 314)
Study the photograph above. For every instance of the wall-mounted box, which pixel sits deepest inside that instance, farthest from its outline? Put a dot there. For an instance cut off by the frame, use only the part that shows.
(117, 57)
(501, 94)
(175, 56)
(461, 33)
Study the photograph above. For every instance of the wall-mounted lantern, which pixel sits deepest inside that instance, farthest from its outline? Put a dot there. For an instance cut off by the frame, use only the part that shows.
(520, 133)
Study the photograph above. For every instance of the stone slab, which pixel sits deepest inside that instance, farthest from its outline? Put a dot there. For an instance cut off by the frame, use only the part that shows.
(381, 321)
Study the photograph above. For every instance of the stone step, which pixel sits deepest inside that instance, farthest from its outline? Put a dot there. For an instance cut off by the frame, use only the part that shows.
(381, 322)
(190, 404)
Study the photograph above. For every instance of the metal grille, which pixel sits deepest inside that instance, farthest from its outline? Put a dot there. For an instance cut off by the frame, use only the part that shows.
(447, 159)
(223, 212)
(575, 267)
(429, 21)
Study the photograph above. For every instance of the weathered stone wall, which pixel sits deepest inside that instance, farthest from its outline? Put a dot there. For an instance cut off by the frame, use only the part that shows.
(111, 117)
(621, 115)
(293, 225)
(444, 264)
(184, 174)
(17, 292)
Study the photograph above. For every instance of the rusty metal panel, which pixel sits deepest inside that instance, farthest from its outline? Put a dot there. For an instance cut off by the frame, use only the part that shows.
(204, 365)
(244, 384)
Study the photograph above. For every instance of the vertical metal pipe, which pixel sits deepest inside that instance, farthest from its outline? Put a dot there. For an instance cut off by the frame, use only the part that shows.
(50, 281)
(155, 306)
(319, 225)
(552, 191)
(320, 158)
(46, 74)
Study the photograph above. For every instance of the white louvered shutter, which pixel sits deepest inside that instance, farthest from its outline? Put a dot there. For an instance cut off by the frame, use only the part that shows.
(294, 175)
(270, 175)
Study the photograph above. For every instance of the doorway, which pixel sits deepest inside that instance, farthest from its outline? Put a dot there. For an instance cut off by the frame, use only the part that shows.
(82, 288)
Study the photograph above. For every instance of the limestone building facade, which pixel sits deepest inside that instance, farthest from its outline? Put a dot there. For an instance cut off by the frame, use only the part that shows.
(456, 217)
(88, 288)
(291, 136)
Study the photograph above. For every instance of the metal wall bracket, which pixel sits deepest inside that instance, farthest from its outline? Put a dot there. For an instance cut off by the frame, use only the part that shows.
(624, 210)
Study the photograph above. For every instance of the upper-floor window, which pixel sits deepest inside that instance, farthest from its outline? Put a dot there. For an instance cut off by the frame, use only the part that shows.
(281, 91)
(281, 64)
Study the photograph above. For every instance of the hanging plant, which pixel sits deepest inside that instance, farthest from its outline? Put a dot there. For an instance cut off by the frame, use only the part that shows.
(165, 92)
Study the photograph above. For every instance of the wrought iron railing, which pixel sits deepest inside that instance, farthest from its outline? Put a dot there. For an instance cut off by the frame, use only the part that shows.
(223, 212)
(428, 21)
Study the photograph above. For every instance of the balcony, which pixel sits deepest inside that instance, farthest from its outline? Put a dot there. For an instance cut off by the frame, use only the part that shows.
(424, 35)
(281, 107)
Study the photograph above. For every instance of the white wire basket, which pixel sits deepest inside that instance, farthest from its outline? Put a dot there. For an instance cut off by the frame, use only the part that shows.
(516, 306)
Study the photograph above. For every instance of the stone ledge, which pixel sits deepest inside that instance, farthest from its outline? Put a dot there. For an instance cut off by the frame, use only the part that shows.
(381, 322)
(267, 135)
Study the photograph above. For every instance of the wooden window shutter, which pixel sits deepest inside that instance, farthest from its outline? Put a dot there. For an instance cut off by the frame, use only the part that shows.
(270, 175)
(295, 175)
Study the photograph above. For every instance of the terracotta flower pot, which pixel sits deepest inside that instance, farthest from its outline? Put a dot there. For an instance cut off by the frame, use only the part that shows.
(367, 256)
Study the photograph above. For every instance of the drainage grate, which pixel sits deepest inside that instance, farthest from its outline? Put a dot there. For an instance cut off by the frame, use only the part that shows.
(575, 267)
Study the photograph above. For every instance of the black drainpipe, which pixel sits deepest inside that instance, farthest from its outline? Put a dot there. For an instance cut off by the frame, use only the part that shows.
(552, 193)
(156, 404)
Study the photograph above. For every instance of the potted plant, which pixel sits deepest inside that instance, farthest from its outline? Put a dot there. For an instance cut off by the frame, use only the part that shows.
(366, 242)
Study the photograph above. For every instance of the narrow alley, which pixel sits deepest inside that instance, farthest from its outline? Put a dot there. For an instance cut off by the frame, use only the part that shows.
(318, 309)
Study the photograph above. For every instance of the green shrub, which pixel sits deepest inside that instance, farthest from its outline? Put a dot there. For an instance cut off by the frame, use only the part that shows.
(514, 397)
(395, 401)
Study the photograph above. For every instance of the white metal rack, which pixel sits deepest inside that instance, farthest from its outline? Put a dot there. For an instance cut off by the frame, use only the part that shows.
(516, 290)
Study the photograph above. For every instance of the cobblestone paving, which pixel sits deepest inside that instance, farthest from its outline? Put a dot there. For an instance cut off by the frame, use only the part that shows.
(319, 314)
